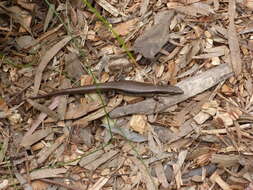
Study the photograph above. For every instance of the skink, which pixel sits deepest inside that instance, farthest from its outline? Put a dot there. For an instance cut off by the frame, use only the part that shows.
(124, 87)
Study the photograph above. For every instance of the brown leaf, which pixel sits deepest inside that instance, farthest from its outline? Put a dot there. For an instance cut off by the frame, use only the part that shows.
(74, 66)
(151, 42)
(45, 60)
(49, 17)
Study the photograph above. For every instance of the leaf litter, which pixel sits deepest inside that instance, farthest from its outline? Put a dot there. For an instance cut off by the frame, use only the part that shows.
(201, 139)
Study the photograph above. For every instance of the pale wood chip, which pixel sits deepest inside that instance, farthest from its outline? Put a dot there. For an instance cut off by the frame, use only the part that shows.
(45, 60)
(192, 70)
(146, 177)
(42, 158)
(208, 55)
(96, 163)
(4, 184)
(91, 157)
(201, 117)
(224, 119)
(161, 175)
(120, 65)
(154, 143)
(187, 53)
(225, 160)
(233, 41)
(191, 87)
(209, 109)
(224, 131)
(24, 41)
(167, 136)
(144, 7)
(108, 7)
(217, 179)
(47, 173)
(177, 168)
(192, 108)
(35, 137)
(195, 9)
(4, 148)
(138, 123)
(99, 184)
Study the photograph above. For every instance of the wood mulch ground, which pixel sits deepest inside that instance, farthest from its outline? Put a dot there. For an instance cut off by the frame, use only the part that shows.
(199, 140)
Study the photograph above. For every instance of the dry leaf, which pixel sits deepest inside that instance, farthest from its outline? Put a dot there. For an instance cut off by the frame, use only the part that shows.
(49, 17)
(151, 42)
(19, 15)
(45, 60)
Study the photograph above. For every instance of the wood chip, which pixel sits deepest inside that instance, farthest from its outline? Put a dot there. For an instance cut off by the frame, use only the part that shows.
(35, 137)
(99, 184)
(177, 168)
(108, 7)
(51, 149)
(161, 175)
(146, 178)
(233, 41)
(217, 179)
(96, 163)
(138, 123)
(47, 173)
